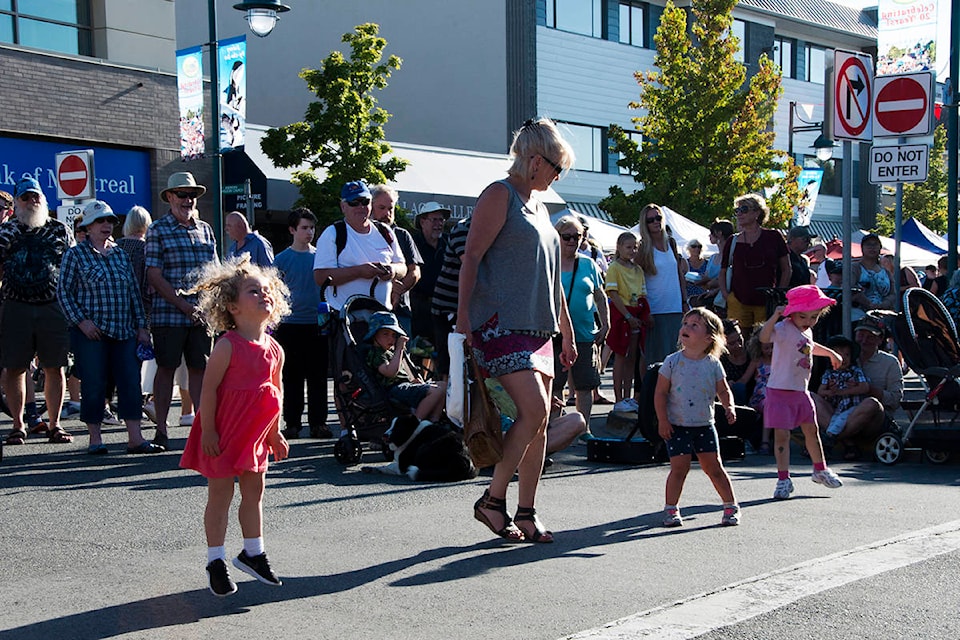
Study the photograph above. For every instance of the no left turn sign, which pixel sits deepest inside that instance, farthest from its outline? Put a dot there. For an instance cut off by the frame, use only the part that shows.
(852, 91)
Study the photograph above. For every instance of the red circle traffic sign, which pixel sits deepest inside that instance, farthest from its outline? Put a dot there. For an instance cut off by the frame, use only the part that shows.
(901, 105)
(847, 99)
(73, 175)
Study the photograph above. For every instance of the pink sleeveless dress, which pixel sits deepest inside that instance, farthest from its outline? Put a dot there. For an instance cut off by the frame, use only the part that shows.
(247, 404)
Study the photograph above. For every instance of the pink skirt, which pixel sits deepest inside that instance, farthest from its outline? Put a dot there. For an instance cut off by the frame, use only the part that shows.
(788, 409)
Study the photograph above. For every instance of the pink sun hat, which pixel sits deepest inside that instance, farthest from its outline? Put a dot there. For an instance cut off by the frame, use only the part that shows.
(806, 298)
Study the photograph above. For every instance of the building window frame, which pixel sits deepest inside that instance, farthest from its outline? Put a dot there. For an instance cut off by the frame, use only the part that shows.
(629, 33)
(815, 63)
(559, 16)
(17, 15)
(738, 28)
(586, 136)
(784, 56)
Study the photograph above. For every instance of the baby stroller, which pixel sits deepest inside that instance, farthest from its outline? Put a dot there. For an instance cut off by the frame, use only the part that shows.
(927, 337)
(362, 404)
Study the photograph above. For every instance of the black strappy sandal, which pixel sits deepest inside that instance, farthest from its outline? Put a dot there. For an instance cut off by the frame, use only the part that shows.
(539, 534)
(509, 532)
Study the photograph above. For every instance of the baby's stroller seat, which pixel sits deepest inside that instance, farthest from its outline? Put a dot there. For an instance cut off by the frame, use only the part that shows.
(363, 407)
(927, 337)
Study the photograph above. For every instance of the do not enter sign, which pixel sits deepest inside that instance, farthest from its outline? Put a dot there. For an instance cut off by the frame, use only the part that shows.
(75, 175)
(903, 105)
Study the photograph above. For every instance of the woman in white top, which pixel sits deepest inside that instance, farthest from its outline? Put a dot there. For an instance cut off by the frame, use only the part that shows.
(666, 289)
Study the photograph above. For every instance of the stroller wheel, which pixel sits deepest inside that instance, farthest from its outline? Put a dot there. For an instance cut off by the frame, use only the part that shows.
(348, 450)
(888, 448)
(936, 457)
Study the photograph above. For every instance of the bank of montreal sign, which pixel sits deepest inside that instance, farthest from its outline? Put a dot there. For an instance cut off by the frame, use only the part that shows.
(122, 175)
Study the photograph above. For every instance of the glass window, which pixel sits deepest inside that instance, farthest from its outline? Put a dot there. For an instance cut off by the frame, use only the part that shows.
(632, 21)
(56, 25)
(6, 28)
(740, 31)
(783, 56)
(637, 137)
(816, 64)
(587, 145)
(578, 16)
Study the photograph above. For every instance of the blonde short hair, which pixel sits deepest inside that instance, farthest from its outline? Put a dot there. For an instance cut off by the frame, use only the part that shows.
(539, 137)
(137, 221)
(757, 201)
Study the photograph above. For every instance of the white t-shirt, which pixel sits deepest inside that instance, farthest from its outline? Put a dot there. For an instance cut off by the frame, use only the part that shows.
(360, 249)
(663, 289)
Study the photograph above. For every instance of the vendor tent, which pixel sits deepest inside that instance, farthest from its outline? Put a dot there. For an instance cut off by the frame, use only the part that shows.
(606, 233)
(917, 234)
(910, 256)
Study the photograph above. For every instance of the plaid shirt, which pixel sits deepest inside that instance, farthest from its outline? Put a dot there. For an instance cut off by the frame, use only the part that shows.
(31, 259)
(101, 288)
(844, 379)
(177, 250)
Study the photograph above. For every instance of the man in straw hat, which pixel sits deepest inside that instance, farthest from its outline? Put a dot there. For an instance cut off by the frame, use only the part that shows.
(177, 243)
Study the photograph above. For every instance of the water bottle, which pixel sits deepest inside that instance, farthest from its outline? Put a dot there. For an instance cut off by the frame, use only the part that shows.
(323, 318)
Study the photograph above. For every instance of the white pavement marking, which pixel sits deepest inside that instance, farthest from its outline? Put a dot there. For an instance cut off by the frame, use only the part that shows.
(754, 596)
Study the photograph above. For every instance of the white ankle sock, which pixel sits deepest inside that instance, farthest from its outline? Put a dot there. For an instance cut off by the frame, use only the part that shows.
(216, 553)
(253, 546)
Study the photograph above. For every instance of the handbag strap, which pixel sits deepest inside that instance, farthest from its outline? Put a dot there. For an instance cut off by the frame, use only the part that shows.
(576, 263)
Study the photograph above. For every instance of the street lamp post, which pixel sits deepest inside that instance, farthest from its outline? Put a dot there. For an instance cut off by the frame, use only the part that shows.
(823, 145)
(261, 16)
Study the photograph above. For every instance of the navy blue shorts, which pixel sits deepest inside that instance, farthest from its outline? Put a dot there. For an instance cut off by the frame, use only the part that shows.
(409, 394)
(689, 440)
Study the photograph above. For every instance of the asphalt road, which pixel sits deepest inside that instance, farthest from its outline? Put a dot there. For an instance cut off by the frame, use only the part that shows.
(113, 547)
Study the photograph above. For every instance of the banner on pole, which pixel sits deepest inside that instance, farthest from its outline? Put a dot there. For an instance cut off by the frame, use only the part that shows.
(908, 35)
(190, 96)
(233, 92)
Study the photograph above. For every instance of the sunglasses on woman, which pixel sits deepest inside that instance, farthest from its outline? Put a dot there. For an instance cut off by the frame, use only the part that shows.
(567, 237)
(654, 219)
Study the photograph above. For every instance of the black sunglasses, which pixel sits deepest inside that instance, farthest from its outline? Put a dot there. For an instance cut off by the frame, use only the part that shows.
(358, 202)
(744, 209)
(183, 195)
(654, 219)
(567, 237)
(552, 164)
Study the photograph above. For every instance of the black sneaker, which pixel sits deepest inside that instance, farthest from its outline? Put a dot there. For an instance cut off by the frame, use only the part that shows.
(258, 567)
(220, 583)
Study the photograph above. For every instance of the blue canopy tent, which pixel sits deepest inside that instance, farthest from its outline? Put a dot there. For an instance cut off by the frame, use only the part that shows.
(918, 235)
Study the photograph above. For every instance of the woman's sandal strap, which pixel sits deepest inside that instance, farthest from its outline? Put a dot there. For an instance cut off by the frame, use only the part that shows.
(509, 531)
(539, 534)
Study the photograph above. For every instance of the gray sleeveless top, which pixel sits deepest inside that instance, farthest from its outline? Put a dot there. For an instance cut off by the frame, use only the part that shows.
(519, 277)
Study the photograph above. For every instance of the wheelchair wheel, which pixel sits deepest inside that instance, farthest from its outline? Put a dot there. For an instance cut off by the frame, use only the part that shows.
(348, 450)
(936, 457)
(888, 449)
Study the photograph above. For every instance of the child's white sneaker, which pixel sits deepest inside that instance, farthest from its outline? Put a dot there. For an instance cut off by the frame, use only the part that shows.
(671, 517)
(731, 516)
(783, 490)
(827, 478)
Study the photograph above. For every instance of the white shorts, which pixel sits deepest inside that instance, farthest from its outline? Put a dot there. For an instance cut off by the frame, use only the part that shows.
(839, 421)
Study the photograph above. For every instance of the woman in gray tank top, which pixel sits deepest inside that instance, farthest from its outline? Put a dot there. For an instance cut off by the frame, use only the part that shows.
(510, 305)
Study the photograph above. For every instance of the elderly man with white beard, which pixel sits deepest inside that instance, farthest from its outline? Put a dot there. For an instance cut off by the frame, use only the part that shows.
(32, 324)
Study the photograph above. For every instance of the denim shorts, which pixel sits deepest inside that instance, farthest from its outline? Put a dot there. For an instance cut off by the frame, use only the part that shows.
(689, 440)
(410, 394)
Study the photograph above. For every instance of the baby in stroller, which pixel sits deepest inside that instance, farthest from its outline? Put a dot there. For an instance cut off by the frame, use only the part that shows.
(388, 358)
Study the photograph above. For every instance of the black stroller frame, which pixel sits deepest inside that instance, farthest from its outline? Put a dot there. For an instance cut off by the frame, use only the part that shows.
(927, 337)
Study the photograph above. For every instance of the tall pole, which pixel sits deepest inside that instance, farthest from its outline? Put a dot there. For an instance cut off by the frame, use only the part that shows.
(952, 147)
(216, 186)
(846, 181)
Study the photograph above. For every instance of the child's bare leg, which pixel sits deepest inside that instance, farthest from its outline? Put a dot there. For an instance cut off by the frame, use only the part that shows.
(219, 497)
(679, 468)
(251, 504)
(431, 407)
(713, 467)
(811, 437)
(781, 448)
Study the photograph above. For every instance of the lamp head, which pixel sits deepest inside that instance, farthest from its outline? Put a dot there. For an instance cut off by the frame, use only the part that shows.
(261, 14)
(824, 147)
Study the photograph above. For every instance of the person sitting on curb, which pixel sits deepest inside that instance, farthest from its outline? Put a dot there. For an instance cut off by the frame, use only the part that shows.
(885, 378)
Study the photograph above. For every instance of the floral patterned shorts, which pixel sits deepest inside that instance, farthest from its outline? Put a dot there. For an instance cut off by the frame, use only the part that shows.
(501, 351)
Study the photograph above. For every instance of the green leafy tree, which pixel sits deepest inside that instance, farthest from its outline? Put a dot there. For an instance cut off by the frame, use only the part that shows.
(705, 134)
(925, 201)
(342, 132)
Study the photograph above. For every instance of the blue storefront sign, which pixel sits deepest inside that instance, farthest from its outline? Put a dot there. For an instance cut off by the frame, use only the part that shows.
(122, 176)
